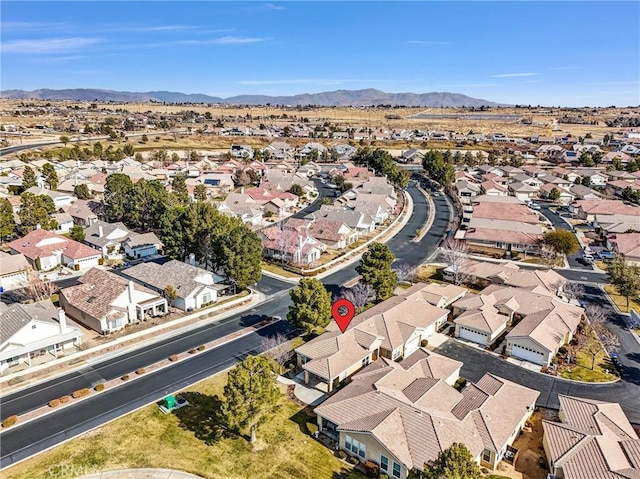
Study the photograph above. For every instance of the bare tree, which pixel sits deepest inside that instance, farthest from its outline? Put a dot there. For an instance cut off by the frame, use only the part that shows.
(359, 295)
(277, 348)
(548, 256)
(454, 254)
(573, 290)
(36, 289)
(405, 272)
(598, 336)
(286, 242)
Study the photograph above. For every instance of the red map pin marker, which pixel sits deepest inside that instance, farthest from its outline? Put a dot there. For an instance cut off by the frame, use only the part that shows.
(343, 312)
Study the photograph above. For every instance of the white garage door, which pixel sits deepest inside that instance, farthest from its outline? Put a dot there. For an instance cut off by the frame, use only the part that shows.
(412, 346)
(470, 335)
(527, 354)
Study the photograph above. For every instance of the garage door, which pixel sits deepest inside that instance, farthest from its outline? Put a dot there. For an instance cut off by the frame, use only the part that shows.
(412, 346)
(527, 354)
(470, 335)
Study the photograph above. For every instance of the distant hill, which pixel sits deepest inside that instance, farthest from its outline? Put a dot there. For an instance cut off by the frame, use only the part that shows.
(330, 98)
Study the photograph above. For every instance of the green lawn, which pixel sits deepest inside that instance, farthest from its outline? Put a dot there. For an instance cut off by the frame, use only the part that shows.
(582, 371)
(272, 268)
(191, 440)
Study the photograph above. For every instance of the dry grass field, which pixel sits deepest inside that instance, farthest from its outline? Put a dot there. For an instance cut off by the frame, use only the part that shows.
(449, 119)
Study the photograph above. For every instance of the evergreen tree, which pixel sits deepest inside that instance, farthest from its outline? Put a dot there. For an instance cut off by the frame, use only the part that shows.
(251, 393)
(375, 269)
(28, 178)
(200, 193)
(34, 211)
(50, 176)
(179, 189)
(7, 222)
(77, 233)
(311, 309)
(118, 197)
(241, 256)
(455, 462)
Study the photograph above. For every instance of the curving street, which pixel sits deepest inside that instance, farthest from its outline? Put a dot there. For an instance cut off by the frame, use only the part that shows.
(33, 437)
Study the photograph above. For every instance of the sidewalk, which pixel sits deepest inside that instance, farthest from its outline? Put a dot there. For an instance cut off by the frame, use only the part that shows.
(74, 397)
(354, 255)
(61, 366)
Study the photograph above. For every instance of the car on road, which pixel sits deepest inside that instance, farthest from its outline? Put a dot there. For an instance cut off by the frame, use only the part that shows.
(606, 255)
(435, 193)
(535, 206)
(587, 259)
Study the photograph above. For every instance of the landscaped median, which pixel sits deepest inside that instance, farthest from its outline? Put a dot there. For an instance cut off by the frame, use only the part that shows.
(81, 394)
(74, 361)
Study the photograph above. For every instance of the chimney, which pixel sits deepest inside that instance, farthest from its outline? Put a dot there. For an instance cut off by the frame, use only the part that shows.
(192, 259)
(300, 241)
(62, 321)
(100, 231)
(131, 291)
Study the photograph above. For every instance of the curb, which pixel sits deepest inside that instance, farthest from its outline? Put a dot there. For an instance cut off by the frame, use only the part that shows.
(117, 382)
(432, 216)
(84, 362)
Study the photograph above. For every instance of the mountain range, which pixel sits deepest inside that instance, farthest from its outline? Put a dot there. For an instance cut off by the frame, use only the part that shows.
(365, 97)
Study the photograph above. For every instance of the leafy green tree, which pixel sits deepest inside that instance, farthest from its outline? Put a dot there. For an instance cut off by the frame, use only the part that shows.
(179, 189)
(311, 309)
(437, 169)
(455, 462)
(625, 278)
(554, 194)
(28, 178)
(64, 139)
(586, 181)
(200, 192)
(144, 139)
(50, 176)
(561, 241)
(117, 197)
(251, 393)
(82, 191)
(128, 149)
(375, 269)
(383, 164)
(7, 222)
(98, 150)
(296, 190)
(241, 256)
(77, 233)
(34, 211)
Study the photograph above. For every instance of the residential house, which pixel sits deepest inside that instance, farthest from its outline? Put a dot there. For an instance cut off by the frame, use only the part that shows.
(356, 220)
(33, 332)
(106, 238)
(141, 245)
(467, 190)
(392, 329)
(60, 199)
(46, 250)
(64, 222)
(580, 192)
(626, 245)
(402, 416)
(106, 302)
(566, 196)
(195, 287)
(83, 212)
(588, 209)
(290, 246)
(242, 206)
(592, 440)
(13, 271)
(334, 234)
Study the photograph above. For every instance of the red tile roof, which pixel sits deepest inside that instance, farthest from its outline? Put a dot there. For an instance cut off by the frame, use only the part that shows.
(35, 245)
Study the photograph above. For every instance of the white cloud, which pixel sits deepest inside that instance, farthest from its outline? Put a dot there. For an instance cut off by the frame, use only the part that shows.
(225, 41)
(514, 75)
(22, 26)
(48, 45)
(427, 42)
(57, 60)
(271, 6)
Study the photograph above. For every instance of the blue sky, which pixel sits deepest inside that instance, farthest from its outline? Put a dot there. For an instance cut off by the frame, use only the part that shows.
(549, 53)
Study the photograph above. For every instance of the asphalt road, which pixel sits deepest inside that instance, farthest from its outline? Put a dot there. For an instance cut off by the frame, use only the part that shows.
(33, 437)
(558, 223)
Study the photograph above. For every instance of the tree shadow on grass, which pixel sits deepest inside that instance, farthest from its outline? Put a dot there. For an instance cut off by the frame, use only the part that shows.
(306, 421)
(204, 418)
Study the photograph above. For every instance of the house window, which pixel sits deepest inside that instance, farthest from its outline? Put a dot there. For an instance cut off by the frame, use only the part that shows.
(347, 443)
(353, 445)
(206, 298)
(384, 463)
(486, 455)
(396, 469)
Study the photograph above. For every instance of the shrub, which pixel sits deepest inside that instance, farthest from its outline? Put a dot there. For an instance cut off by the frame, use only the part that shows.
(140, 371)
(16, 380)
(200, 348)
(192, 351)
(125, 377)
(383, 476)
(562, 350)
(173, 357)
(10, 421)
(65, 399)
(79, 393)
(99, 387)
(424, 343)
(342, 455)
(352, 460)
(54, 403)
